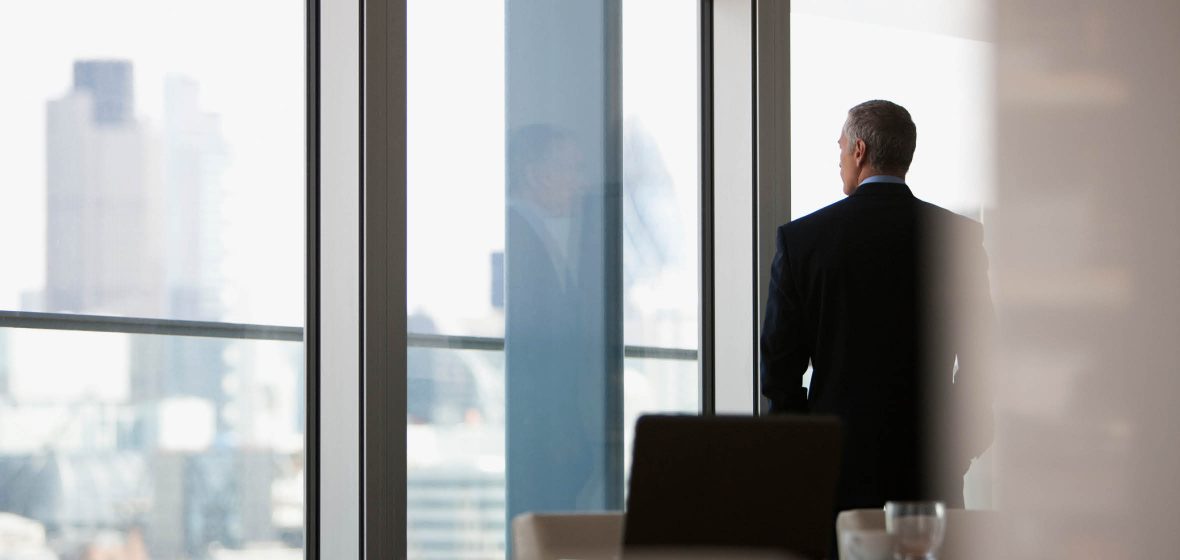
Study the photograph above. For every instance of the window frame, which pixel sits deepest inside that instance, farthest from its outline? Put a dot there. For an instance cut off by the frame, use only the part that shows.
(355, 336)
(335, 267)
(376, 234)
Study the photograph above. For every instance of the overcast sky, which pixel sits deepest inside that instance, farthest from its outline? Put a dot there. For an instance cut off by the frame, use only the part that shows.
(248, 59)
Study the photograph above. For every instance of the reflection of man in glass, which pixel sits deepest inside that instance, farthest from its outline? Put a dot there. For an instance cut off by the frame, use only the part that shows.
(553, 351)
(886, 296)
(545, 187)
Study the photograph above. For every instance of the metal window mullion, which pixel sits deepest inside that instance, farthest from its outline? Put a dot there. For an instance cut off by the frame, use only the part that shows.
(338, 325)
(384, 279)
(206, 329)
(733, 206)
(707, 331)
(772, 148)
(148, 326)
(311, 334)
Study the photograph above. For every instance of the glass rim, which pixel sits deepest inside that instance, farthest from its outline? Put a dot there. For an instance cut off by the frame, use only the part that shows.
(905, 507)
(937, 504)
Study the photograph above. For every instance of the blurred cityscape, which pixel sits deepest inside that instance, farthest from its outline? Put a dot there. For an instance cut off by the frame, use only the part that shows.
(134, 446)
(143, 446)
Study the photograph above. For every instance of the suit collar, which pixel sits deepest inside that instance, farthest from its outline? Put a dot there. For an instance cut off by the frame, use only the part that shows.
(883, 189)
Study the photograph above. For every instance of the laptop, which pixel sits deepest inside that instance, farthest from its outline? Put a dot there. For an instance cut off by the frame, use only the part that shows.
(733, 482)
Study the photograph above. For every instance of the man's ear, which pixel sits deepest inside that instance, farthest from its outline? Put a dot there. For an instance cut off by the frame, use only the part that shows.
(858, 151)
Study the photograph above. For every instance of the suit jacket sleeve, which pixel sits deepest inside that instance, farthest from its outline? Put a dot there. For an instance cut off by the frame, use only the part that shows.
(784, 346)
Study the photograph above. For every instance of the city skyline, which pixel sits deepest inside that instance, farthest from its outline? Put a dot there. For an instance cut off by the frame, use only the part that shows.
(263, 124)
(263, 192)
(184, 432)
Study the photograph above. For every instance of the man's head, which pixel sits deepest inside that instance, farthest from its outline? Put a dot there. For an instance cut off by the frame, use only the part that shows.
(878, 139)
(545, 168)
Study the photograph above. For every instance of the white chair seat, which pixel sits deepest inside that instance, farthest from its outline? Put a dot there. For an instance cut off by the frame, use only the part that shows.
(557, 536)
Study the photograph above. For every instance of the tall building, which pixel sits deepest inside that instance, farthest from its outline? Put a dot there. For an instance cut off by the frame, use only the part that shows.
(134, 226)
(105, 202)
(194, 160)
(133, 214)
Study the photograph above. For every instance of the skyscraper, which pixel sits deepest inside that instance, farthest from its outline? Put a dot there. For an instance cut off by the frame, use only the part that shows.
(105, 202)
(194, 158)
(133, 229)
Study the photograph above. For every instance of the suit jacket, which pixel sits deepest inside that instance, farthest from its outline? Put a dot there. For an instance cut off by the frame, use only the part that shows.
(554, 357)
(884, 295)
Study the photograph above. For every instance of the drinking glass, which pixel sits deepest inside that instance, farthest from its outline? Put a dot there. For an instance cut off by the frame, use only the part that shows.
(917, 528)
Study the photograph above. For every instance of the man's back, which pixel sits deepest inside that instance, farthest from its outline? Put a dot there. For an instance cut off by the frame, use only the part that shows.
(880, 292)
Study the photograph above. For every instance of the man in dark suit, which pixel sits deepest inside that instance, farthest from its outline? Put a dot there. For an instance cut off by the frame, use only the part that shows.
(553, 333)
(886, 296)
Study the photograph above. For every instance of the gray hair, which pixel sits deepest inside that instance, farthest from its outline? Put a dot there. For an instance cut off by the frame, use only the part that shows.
(887, 131)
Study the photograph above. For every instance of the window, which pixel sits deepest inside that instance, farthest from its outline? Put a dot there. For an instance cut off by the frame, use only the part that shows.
(552, 256)
(936, 64)
(151, 357)
(934, 59)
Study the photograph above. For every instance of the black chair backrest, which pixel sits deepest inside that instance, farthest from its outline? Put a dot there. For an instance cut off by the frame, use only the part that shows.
(759, 483)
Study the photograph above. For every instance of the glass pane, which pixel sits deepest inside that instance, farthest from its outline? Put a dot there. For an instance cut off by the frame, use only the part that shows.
(152, 171)
(933, 58)
(552, 191)
(455, 477)
(941, 74)
(137, 446)
(661, 166)
(160, 175)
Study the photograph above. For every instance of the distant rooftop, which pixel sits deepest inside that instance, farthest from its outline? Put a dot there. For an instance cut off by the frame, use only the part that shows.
(111, 84)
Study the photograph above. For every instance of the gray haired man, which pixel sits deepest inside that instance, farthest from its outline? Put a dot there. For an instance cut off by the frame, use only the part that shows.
(886, 297)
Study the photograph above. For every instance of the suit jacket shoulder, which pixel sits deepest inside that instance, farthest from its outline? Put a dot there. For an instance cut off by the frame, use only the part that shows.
(817, 220)
(800, 235)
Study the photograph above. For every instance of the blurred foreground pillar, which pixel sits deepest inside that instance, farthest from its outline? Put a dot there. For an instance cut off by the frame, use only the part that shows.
(1087, 270)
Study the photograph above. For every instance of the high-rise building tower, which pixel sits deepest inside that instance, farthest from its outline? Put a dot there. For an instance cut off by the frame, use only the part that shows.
(194, 156)
(134, 229)
(105, 201)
